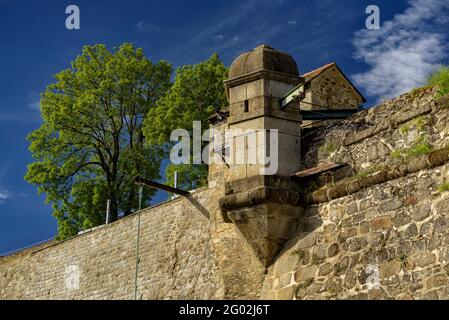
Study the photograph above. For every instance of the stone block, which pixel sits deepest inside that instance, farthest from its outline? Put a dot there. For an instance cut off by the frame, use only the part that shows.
(390, 269)
(437, 281)
(380, 223)
(286, 293)
(305, 273)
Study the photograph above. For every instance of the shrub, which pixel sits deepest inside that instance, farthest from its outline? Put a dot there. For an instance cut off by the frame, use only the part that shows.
(327, 148)
(418, 149)
(443, 187)
(440, 78)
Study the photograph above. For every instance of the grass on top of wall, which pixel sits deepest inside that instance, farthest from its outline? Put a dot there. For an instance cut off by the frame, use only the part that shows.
(440, 78)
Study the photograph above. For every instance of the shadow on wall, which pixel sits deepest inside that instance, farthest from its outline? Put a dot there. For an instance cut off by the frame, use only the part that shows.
(307, 223)
(199, 206)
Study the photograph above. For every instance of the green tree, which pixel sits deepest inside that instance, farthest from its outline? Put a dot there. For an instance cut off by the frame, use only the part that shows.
(440, 78)
(90, 145)
(196, 94)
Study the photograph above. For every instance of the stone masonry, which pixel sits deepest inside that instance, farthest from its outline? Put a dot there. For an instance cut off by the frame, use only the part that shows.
(376, 227)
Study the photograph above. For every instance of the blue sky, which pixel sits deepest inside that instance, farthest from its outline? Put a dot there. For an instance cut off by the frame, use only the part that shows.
(34, 45)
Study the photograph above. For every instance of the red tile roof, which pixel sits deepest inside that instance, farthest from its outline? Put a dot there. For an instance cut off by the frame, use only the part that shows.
(314, 73)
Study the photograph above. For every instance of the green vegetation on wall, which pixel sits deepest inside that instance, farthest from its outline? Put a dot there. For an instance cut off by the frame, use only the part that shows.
(440, 78)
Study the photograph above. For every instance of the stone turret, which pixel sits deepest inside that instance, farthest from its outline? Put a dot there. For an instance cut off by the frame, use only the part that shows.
(261, 198)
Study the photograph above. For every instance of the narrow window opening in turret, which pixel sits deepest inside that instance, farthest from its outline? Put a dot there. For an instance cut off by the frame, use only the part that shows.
(246, 106)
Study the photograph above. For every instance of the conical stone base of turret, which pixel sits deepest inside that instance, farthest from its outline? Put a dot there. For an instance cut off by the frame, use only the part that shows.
(266, 227)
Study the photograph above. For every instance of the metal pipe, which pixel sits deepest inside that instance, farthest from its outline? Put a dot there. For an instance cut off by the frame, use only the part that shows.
(148, 183)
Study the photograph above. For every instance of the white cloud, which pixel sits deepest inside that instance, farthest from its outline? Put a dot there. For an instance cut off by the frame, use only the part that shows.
(292, 22)
(404, 51)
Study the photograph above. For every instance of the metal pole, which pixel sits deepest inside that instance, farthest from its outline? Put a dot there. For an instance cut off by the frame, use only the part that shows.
(108, 211)
(140, 197)
(176, 179)
(138, 242)
(175, 183)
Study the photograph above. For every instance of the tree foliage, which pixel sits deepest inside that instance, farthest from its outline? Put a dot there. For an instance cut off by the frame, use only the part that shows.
(196, 94)
(91, 144)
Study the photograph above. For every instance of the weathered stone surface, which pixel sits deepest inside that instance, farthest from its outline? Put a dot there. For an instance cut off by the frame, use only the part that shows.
(325, 269)
(391, 205)
(333, 250)
(422, 259)
(307, 240)
(422, 212)
(437, 281)
(305, 273)
(286, 293)
(178, 259)
(442, 205)
(411, 231)
(393, 225)
(381, 223)
(287, 263)
(390, 269)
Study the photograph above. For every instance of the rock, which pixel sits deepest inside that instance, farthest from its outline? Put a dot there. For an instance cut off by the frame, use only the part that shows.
(346, 233)
(352, 208)
(391, 205)
(356, 244)
(411, 231)
(422, 259)
(325, 269)
(383, 222)
(333, 250)
(286, 264)
(320, 251)
(390, 269)
(425, 228)
(284, 280)
(365, 204)
(307, 240)
(364, 227)
(305, 273)
(434, 243)
(430, 296)
(358, 218)
(437, 281)
(286, 293)
(442, 205)
(422, 212)
(400, 219)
